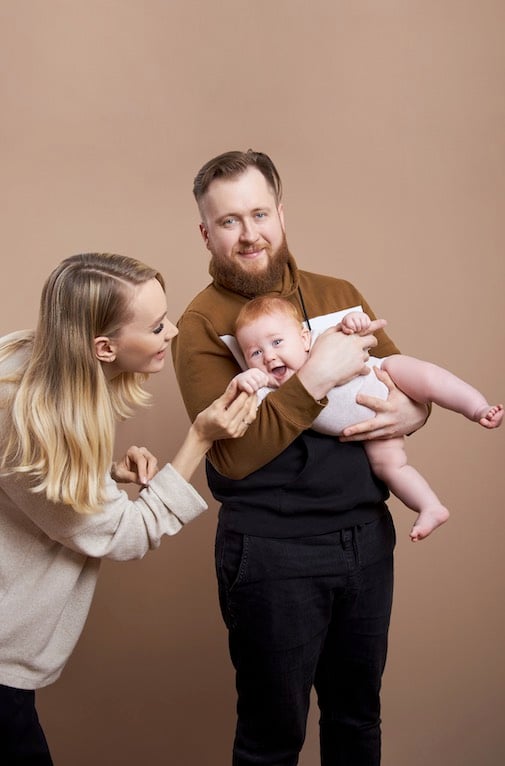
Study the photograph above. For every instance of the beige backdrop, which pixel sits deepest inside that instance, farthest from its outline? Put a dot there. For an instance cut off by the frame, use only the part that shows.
(387, 122)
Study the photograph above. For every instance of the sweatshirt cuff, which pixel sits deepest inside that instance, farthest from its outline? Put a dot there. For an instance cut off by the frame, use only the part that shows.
(177, 494)
(296, 404)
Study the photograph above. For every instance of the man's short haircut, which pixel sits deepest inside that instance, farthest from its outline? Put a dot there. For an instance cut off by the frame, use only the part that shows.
(233, 164)
(266, 304)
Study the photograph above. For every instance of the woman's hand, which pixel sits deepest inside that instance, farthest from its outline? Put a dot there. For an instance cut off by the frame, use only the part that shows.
(138, 466)
(396, 416)
(228, 416)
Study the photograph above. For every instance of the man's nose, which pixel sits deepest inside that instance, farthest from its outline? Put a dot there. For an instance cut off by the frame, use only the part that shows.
(248, 232)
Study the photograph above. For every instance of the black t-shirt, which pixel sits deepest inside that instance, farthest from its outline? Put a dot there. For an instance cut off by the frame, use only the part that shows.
(317, 485)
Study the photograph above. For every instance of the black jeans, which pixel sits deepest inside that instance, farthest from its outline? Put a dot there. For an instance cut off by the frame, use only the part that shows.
(303, 612)
(22, 741)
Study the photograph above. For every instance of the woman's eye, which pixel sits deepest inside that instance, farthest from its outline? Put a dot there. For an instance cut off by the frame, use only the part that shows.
(159, 328)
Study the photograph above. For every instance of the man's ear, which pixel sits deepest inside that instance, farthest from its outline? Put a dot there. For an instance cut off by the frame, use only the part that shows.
(205, 234)
(104, 349)
(280, 210)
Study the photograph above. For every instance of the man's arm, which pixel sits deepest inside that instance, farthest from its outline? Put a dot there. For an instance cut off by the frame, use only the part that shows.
(204, 366)
(395, 416)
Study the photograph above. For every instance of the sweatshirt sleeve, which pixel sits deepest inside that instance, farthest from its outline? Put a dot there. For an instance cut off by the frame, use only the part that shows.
(204, 366)
(122, 529)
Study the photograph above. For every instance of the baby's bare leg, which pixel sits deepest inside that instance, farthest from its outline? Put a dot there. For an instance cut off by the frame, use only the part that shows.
(389, 462)
(426, 382)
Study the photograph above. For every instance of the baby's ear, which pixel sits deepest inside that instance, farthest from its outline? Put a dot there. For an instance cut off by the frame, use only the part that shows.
(306, 335)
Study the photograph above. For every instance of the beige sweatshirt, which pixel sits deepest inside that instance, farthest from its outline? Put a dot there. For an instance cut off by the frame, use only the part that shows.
(50, 556)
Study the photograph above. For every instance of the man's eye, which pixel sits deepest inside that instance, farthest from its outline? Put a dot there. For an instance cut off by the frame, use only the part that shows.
(261, 214)
(229, 221)
(159, 328)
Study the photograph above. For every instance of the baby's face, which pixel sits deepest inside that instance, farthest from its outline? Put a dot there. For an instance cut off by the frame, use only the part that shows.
(276, 344)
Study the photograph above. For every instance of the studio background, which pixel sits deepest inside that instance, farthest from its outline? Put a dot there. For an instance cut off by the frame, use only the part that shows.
(386, 121)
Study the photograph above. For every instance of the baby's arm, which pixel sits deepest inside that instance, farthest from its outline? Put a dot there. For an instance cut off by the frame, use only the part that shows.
(251, 380)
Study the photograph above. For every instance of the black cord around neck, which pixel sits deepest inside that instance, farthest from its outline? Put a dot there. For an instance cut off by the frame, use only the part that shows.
(304, 309)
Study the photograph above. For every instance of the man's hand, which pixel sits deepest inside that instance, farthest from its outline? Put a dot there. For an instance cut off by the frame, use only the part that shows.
(337, 357)
(396, 416)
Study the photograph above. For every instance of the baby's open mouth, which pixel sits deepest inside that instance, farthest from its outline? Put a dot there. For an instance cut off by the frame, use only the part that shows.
(278, 372)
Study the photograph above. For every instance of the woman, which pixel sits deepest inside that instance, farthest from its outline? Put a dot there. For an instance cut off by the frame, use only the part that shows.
(102, 330)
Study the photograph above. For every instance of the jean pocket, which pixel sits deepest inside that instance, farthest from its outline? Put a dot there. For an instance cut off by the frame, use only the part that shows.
(232, 549)
(233, 558)
(376, 540)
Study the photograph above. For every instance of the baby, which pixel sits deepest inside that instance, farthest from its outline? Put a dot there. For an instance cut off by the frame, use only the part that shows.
(275, 344)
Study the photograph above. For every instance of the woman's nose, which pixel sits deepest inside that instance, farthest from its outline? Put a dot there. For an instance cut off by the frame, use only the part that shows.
(170, 330)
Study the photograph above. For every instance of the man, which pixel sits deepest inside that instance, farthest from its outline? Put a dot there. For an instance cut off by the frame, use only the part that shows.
(304, 542)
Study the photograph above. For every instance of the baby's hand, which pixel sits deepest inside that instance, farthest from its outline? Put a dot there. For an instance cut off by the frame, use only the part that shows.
(251, 380)
(355, 322)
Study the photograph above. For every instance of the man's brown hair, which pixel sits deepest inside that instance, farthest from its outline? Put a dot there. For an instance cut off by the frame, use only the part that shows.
(233, 164)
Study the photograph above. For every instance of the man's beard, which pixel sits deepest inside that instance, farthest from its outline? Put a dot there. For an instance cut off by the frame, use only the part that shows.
(230, 275)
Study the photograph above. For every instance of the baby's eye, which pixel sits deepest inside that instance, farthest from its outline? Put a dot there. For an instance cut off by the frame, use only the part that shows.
(255, 353)
(159, 328)
(277, 342)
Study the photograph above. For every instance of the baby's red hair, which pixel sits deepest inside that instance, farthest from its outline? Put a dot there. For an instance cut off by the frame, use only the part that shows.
(265, 304)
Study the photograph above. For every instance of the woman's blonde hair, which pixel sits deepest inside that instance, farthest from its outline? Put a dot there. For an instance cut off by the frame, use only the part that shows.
(63, 410)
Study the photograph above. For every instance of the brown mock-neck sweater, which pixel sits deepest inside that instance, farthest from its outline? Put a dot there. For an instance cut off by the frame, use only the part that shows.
(281, 478)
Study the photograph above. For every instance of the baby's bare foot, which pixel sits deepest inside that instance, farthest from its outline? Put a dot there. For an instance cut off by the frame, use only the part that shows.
(428, 520)
(490, 417)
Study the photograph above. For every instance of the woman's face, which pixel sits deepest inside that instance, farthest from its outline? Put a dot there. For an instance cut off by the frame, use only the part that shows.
(141, 344)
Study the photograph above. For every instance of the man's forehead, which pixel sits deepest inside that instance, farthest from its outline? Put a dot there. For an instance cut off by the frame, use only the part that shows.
(248, 187)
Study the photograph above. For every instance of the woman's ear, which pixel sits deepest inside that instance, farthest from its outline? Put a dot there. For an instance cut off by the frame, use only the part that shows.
(104, 349)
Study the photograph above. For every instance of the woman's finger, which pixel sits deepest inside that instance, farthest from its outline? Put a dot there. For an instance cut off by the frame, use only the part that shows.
(241, 413)
(230, 393)
(151, 466)
(252, 409)
(138, 465)
(144, 463)
(235, 405)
